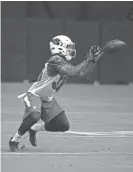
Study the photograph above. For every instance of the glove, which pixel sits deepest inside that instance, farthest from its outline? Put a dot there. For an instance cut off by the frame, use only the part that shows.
(94, 54)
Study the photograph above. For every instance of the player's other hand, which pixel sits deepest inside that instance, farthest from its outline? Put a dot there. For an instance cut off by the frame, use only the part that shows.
(94, 53)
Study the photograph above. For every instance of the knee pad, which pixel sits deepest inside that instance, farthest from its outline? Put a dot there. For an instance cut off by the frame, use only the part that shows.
(58, 123)
(63, 122)
(65, 127)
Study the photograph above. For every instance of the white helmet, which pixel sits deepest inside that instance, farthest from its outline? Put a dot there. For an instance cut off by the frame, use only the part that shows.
(63, 45)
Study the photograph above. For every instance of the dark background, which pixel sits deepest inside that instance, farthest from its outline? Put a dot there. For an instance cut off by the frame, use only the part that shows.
(27, 28)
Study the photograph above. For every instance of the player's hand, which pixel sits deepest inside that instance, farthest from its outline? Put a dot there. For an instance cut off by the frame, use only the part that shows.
(94, 54)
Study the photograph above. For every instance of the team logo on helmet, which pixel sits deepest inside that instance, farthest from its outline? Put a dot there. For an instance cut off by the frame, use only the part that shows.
(57, 41)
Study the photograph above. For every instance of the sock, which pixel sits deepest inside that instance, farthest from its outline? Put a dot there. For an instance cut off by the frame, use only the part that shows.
(16, 137)
(38, 127)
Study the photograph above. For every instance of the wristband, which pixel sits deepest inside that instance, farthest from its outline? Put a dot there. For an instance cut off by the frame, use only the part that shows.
(90, 61)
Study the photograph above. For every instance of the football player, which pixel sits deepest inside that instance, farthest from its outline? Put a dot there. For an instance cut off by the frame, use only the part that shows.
(39, 99)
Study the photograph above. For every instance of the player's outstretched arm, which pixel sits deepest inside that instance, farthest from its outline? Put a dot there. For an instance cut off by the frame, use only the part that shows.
(95, 53)
(88, 70)
(92, 56)
(70, 70)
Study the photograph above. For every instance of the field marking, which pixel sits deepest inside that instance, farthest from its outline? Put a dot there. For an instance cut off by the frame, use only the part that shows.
(65, 153)
(94, 136)
(76, 134)
(76, 112)
(100, 133)
(85, 137)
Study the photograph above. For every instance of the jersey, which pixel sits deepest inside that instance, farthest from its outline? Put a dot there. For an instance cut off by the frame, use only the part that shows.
(49, 80)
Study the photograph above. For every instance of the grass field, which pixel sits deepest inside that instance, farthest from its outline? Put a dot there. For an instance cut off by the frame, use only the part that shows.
(104, 113)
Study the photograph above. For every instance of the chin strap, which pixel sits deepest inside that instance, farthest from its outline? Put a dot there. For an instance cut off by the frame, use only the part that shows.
(68, 58)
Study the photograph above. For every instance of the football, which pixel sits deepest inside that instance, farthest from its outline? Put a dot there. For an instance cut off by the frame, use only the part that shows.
(113, 46)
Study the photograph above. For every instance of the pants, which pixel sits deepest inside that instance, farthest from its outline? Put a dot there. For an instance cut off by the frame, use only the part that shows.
(48, 109)
(51, 113)
(58, 123)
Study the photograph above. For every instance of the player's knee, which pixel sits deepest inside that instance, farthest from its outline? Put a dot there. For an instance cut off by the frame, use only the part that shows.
(35, 116)
(64, 123)
(65, 127)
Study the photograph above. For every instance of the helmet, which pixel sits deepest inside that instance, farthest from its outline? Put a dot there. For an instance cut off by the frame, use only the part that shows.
(64, 46)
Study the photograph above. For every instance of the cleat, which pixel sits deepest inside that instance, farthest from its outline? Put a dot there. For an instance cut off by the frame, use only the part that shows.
(13, 145)
(32, 137)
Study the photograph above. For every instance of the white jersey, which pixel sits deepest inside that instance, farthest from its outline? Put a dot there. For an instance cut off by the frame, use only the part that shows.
(49, 81)
(43, 88)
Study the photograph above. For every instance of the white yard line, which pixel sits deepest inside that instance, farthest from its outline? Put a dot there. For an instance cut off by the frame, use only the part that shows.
(76, 134)
(77, 112)
(100, 133)
(65, 153)
(85, 137)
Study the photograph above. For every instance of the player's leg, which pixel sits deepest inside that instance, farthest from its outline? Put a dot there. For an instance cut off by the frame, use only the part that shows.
(31, 117)
(58, 123)
(54, 120)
